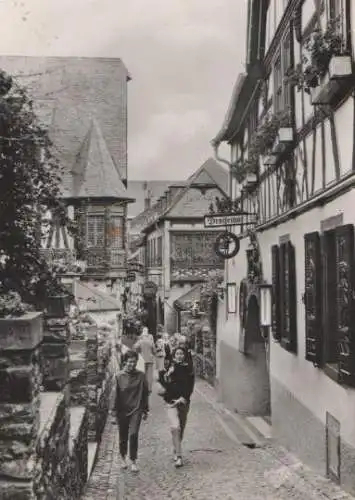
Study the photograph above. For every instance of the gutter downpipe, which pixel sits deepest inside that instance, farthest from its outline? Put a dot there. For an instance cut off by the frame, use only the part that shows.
(215, 146)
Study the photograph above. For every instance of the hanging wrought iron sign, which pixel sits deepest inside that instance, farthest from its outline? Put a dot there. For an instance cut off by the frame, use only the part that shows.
(227, 245)
(229, 219)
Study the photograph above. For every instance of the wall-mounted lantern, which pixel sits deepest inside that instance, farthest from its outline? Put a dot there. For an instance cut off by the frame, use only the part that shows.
(265, 305)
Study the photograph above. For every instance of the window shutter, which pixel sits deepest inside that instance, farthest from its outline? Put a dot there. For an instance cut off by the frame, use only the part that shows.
(289, 312)
(344, 242)
(313, 298)
(275, 273)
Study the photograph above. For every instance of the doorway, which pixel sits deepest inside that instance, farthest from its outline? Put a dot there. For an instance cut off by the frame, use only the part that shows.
(257, 353)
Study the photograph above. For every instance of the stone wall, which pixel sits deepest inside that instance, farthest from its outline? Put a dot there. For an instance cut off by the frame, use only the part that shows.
(55, 387)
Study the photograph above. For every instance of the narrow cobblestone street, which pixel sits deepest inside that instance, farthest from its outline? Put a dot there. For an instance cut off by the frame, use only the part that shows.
(217, 464)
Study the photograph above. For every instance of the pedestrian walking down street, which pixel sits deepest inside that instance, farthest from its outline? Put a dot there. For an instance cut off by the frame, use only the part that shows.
(178, 381)
(183, 342)
(146, 347)
(131, 406)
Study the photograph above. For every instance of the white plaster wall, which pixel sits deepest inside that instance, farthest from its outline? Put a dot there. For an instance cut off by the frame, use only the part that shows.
(315, 390)
(228, 324)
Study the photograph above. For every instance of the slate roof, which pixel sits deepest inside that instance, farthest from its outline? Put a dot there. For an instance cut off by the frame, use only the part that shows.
(68, 93)
(139, 190)
(94, 174)
(210, 173)
(94, 299)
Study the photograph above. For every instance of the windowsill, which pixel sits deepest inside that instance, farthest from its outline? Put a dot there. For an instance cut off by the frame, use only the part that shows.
(331, 370)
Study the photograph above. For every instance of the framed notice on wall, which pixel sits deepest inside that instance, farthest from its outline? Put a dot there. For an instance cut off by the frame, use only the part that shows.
(231, 298)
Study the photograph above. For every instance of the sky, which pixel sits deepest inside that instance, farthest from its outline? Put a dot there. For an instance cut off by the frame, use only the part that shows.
(184, 57)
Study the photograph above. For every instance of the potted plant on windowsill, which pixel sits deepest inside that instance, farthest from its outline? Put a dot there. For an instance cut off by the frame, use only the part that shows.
(325, 64)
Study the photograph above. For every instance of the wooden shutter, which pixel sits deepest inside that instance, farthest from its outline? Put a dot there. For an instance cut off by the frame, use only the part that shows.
(288, 302)
(344, 242)
(313, 298)
(329, 297)
(275, 277)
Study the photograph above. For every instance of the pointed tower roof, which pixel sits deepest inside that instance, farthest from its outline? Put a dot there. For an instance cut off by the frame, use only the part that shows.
(94, 174)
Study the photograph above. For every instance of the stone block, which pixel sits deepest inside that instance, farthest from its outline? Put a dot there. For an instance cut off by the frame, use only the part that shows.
(54, 365)
(22, 333)
(56, 330)
(19, 384)
(57, 306)
(78, 388)
(16, 490)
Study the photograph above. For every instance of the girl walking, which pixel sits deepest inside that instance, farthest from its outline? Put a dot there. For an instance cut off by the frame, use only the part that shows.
(178, 381)
(131, 406)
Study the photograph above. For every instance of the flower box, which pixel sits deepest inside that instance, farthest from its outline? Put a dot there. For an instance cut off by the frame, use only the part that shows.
(250, 179)
(340, 67)
(283, 139)
(269, 160)
(340, 70)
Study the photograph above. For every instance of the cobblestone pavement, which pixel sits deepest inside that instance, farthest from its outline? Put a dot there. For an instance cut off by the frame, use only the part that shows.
(217, 464)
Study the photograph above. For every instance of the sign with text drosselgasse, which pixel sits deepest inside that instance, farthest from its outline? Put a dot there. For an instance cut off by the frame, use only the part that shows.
(222, 220)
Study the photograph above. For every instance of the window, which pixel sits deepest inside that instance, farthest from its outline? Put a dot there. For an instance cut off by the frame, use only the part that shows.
(115, 232)
(96, 231)
(160, 251)
(278, 85)
(329, 302)
(336, 9)
(286, 64)
(282, 91)
(284, 308)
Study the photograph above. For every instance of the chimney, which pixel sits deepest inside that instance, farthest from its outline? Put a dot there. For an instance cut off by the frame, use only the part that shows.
(147, 196)
(174, 189)
(164, 202)
(159, 204)
(167, 196)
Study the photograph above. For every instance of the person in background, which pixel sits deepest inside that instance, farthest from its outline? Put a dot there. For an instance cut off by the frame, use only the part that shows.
(131, 406)
(170, 345)
(145, 346)
(159, 351)
(178, 382)
(183, 342)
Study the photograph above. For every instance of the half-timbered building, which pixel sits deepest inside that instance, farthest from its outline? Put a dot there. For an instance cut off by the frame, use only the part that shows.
(177, 249)
(290, 127)
(83, 104)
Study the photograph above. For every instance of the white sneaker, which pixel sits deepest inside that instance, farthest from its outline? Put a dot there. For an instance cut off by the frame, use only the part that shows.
(175, 458)
(178, 462)
(134, 467)
(124, 464)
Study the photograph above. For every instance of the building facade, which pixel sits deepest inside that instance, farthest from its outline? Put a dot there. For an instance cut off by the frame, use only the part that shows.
(290, 127)
(83, 104)
(178, 250)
